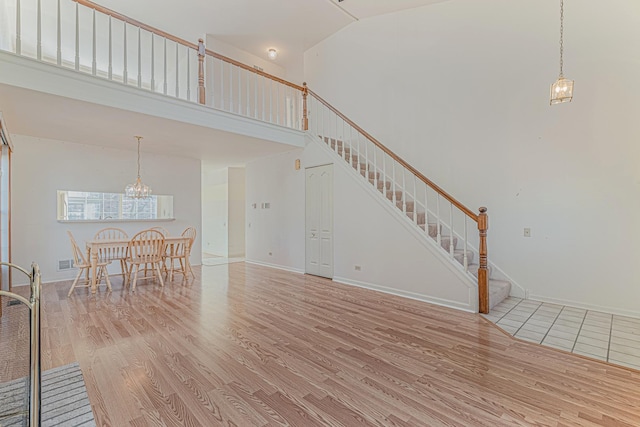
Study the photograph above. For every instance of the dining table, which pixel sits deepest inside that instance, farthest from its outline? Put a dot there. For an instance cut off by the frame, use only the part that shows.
(94, 247)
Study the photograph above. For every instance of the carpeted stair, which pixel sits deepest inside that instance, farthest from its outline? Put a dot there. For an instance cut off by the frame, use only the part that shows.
(498, 289)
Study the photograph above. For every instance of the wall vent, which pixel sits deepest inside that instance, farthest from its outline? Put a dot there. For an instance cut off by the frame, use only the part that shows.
(65, 264)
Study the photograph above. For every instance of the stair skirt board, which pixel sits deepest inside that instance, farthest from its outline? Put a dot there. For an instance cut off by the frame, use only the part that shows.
(64, 399)
(498, 289)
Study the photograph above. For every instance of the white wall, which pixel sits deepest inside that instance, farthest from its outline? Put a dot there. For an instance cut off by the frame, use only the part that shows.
(460, 88)
(215, 212)
(391, 258)
(42, 166)
(237, 214)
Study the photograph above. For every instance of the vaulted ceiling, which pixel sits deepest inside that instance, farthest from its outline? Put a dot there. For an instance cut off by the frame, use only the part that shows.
(291, 26)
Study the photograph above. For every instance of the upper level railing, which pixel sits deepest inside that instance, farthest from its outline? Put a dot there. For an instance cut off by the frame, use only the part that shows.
(33, 304)
(92, 39)
(89, 38)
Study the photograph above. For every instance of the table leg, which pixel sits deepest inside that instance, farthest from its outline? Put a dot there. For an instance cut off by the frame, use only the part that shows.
(94, 270)
(187, 263)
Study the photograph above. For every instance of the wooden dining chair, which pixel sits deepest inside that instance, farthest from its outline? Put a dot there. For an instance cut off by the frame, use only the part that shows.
(117, 253)
(179, 253)
(80, 262)
(146, 248)
(163, 230)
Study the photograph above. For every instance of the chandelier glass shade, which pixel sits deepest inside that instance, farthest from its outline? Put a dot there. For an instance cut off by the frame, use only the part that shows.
(138, 190)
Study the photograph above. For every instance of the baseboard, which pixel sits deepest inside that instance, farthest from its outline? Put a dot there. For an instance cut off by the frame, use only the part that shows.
(594, 307)
(279, 267)
(411, 295)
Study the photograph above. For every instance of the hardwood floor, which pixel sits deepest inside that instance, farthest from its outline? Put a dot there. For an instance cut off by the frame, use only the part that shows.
(248, 346)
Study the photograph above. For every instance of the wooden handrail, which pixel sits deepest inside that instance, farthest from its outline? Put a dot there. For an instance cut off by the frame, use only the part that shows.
(135, 23)
(397, 158)
(253, 70)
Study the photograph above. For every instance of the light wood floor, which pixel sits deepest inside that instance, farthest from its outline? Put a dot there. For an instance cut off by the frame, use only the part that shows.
(249, 346)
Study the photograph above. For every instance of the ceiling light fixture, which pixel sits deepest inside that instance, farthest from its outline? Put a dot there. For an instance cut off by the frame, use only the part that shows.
(272, 54)
(137, 190)
(562, 89)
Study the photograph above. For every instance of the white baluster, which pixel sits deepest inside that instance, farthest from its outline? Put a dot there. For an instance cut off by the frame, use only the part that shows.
(59, 36)
(385, 177)
(438, 237)
(77, 65)
(426, 208)
(153, 62)
(263, 100)
(18, 29)
(375, 169)
(177, 70)
(366, 159)
(230, 88)
(277, 103)
(94, 64)
(248, 90)
(255, 93)
(359, 166)
(239, 90)
(393, 182)
(270, 101)
(415, 200)
(139, 58)
(404, 196)
(124, 73)
(110, 50)
(188, 74)
(464, 247)
(164, 66)
(221, 85)
(451, 246)
(344, 141)
(39, 30)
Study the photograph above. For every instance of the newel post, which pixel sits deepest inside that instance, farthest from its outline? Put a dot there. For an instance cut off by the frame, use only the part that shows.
(483, 272)
(305, 118)
(201, 55)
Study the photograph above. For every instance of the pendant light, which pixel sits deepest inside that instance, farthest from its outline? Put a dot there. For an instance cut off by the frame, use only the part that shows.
(137, 190)
(562, 89)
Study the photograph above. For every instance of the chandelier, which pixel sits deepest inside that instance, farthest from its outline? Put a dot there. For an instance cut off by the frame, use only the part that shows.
(562, 89)
(137, 190)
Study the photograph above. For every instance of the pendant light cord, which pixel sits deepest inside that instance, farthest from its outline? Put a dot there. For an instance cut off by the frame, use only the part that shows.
(139, 138)
(561, 36)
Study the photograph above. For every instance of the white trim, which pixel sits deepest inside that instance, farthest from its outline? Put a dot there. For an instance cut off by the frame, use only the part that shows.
(411, 295)
(594, 307)
(279, 267)
(28, 73)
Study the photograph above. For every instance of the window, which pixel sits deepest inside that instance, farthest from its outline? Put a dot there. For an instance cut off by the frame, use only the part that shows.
(95, 206)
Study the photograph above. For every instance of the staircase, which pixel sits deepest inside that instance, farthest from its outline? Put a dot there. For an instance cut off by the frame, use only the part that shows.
(437, 231)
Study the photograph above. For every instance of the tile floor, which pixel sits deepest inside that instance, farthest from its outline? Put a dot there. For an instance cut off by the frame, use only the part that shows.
(612, 338)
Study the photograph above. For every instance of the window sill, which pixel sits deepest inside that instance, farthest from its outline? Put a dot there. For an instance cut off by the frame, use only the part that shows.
(114, 220)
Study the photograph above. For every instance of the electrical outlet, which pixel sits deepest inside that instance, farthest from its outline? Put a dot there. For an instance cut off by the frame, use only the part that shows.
(357, 268)
(527, 232)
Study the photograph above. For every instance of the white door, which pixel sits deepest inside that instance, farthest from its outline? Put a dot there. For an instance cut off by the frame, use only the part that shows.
(319, 221)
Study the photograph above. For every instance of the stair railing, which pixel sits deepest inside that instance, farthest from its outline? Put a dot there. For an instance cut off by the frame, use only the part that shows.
(429, 207)
(89, 38)
(33, 304)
